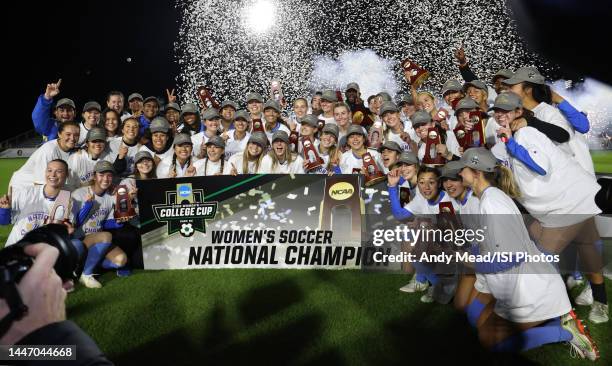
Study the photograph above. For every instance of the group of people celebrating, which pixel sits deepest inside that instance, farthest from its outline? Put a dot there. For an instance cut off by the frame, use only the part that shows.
(481, 148)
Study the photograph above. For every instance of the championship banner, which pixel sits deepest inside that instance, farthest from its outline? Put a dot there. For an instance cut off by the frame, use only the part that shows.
(254, 221)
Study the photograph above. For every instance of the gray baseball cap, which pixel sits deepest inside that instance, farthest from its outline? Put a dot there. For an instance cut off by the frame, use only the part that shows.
(210, 114)
(388, 107)
(174, 106)
(92, 105)
(135, 96)
(451, 85)
(329, 95)
(420, 118)
(65, 102)
(242, 114)
(478, 84)
(280, 135)
(526, 74)
(159, 124)
(151, 99)
(503, 73)
(386, 97)
(229, 103)
(451, 170)
(96, 133)
(408, 157)
(310, 120)
(104, 166)
(507, 101)
(189, 108)
(254, 96)
(142, 155)
(259, 138)
(331, 128)
(182, 138)
(271, 103)
(406, 99)
(479, 158)
(466, 103)
(390, 145)
(217, 141)
(353, 86)
(356, 129)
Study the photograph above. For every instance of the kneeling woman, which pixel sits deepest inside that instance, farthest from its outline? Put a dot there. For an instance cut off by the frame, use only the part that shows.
(94, 207)
(180, 164)
(249, 161)
(281, 160)
(515, 305)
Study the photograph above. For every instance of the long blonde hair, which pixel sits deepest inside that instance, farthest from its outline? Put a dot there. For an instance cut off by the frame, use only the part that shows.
(503, 178)
(289, 157)
(246, 157)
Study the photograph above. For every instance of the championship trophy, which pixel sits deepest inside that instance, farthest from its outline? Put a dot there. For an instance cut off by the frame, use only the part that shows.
(60, 210)
(257, 125)
(208, 101)
(454, 103)
(447, 219)
(293, 141)
(361, 117)
(431, 155)
(415, 74)
(311, 155)
(477, 133)
(276, 92)
(339, 96)
(404, 195)
(373, 175)
(124, 210)
(320, 125)
(375, 135)
(342, 193)
(356, 171)
(463, 137)
(441, 115)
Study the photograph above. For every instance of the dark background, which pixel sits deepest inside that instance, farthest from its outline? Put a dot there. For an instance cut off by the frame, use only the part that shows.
(86, 43)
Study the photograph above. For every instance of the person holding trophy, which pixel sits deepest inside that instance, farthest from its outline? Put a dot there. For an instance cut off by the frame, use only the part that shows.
(280, 159)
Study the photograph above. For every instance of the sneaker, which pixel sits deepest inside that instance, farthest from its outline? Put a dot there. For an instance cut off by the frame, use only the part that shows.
(414, 286)
(581, 343)
(428, 297)
(572, 282)
(598, 313)
(586, 296)
(89, 281)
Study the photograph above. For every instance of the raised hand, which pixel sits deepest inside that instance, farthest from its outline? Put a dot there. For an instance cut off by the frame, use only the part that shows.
(52, 90)
(234, 171)
(393, 177)
(171, 96)
(191, 170)
(5, 201)
(123, 150)
(460, 55)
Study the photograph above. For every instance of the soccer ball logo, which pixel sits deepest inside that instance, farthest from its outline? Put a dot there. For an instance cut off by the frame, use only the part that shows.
(186, 230)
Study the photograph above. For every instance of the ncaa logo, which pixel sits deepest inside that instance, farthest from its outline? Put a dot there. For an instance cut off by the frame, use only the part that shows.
(184, 191)
(341, 191)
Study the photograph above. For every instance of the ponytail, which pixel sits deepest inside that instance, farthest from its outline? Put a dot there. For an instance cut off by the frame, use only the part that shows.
(503, 179)
(541, 93)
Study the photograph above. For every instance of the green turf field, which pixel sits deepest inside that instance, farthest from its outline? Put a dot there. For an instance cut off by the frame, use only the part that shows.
(233, 316)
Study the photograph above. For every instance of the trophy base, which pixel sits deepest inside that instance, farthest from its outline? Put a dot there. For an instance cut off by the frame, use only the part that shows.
(315, 165)
(375, 180)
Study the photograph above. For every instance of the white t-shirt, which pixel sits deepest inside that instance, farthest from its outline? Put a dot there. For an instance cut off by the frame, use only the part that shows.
(295, 167)
(163, 168)
(33, 171)
(82, 168)
(350, 161)
(565, 189)
(83, 134)
(233, 146)
(577, 146)
(114, 146)
(102, 209)
(199, 140)
(236, 160)
(328, 120)
(206, 167)
(395, 137)
(29, 210)
(279, 127)
(419, 205)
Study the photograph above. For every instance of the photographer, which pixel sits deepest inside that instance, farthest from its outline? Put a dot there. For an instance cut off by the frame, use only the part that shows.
(45, 321)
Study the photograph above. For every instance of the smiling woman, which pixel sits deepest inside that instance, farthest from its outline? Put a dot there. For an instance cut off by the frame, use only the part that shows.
(259, 16)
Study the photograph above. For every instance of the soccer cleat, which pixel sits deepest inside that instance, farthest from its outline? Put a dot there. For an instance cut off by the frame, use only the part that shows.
(89, 281)
(586, 296)
(414, 286)
(598, 313)
(581, 343)
(428, 297)
(124, 272)
(572, 282)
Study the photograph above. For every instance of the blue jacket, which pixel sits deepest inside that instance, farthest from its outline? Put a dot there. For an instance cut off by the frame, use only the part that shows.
(44, 124)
